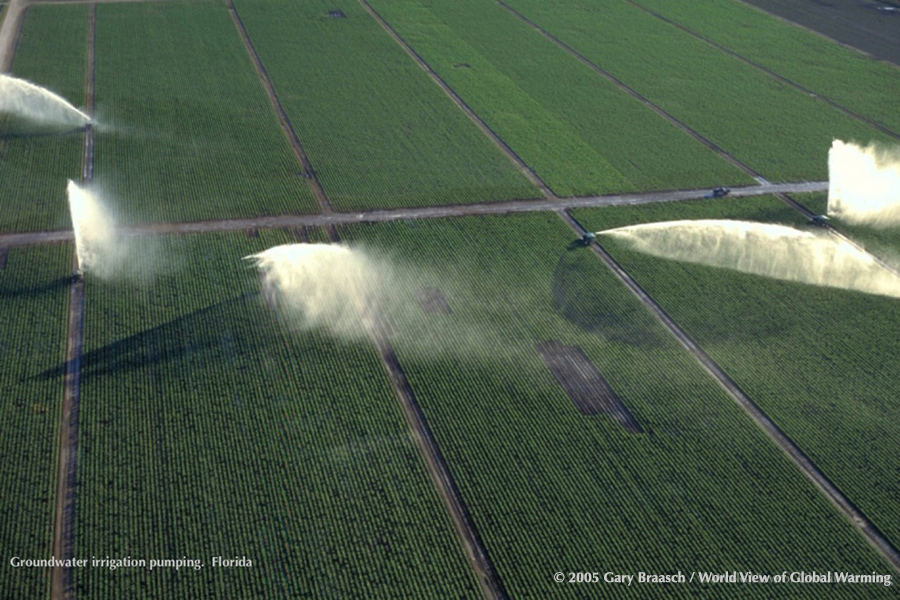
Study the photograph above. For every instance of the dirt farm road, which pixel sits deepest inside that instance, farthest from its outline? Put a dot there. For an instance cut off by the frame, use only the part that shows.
(8, 240)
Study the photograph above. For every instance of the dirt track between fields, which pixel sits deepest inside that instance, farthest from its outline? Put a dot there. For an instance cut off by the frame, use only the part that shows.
(793, 452)
(10, 31)
(759, 417)
(857, 24)
(286, 127)
(767, 71)
(61, 581)
(8, 240)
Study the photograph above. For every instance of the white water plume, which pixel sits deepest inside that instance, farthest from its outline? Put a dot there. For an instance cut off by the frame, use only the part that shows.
(96, 242)
(34, 103)
(322, 286)
(775, 251)
(864, 184)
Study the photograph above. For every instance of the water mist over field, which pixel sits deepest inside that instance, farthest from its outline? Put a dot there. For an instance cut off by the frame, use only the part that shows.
(96, 243)
(864, 184)
(774, 251)
(322, 285)
(34, 103)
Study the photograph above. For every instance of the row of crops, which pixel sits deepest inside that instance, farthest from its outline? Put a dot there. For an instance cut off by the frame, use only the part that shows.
(35, 162)
(552, 490)
(579, 132)
(187, 131)
(33, 301)
(210, 428)
(780, 132)
(821, 362)
(378, 131)
(867, 87)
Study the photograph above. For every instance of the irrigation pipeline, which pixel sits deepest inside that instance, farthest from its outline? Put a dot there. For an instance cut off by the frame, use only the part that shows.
(841, 502)
(767, 71)
(61, 580)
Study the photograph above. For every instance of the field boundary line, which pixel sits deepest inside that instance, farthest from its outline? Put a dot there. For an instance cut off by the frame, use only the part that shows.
(780, 78)
(61, 580)
(510, 153)
(435, 464)
(308, 172)
(11, 31)
(636, 95)
(768, 427)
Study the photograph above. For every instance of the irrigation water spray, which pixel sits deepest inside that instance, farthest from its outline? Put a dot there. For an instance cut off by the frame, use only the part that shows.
(864, 184)
(322, 286)
(34, 103)
(96, 243)
(764, 249)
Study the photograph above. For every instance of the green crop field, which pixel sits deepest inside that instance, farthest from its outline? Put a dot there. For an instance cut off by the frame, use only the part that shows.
(33, 299)
(867, 87)
(35, 162)
(186, 130)
(778, 131)
(209, 429)
(561, 491)
(819, 361)
(578, 132)
(507, 407)
(378, 131)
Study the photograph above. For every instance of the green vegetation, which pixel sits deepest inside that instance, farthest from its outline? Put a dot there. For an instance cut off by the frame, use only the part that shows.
(35, 163)
(863, 85)
(821, 362)
(580, 133)
(552, 490)
(187, 132)
(210, 429)
(778, 131)
(378, 131)
(33, 301)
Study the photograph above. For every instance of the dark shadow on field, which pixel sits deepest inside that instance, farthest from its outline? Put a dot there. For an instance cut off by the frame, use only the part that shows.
(581, 300)
(37, 290)
(218, 333)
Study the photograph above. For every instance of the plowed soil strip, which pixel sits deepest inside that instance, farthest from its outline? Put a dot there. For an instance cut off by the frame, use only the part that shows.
(526, 170)
(63, 524)
(587, 389)
(645, 101)
(308, 172)
(781, 440)
(431, 212)
(767, 71)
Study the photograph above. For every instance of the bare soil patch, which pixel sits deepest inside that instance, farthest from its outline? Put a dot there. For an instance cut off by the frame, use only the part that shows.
(431, 300)
(857, 23)
(4, 256)
(585, 386)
